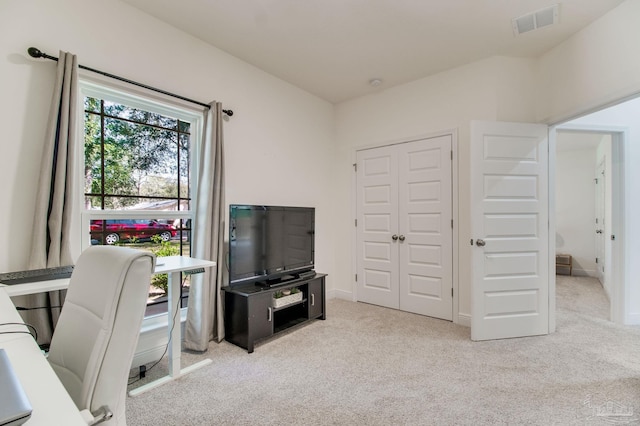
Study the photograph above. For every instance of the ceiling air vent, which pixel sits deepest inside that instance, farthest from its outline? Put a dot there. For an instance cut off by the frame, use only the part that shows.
(533, 21)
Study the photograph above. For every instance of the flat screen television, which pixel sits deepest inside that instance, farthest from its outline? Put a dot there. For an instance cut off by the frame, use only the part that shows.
(270, 244)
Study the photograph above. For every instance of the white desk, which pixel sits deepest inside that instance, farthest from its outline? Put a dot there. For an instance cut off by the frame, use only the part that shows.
(171, 265)
(52, 405)
(36, 287)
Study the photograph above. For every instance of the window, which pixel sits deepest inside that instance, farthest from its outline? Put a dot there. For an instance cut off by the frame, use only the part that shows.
(137, 172)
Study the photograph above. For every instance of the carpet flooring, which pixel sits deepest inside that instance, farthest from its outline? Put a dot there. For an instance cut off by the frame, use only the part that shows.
(368, 365)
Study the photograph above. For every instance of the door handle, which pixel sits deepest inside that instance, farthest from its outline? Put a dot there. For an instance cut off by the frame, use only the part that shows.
(480, 242)
(401, 237)
(313, 300)
(269, 315)
(598, 231)
(394, 237)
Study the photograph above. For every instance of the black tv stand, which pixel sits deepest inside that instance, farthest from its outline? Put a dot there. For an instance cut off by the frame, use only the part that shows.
(285, 279)
(276, 282)
(252, 313)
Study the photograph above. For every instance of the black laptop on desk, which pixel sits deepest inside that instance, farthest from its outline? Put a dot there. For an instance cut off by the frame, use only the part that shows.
(15, 408)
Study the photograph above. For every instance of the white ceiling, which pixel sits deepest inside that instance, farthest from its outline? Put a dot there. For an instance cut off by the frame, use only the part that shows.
(332, 48)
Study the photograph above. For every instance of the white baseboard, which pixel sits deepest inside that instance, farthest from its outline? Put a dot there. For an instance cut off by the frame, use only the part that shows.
(584, 273)
(150, 348)
(464, 320)
(340, 294)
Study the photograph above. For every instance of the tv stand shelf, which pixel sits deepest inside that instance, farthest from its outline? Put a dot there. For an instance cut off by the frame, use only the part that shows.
(250, 315)
(279, 308)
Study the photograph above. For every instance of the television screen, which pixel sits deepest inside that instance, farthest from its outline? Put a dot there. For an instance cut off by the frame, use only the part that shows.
(268, 243)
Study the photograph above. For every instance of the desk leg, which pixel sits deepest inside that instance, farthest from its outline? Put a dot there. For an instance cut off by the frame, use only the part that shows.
(175, 328)
(175, 339)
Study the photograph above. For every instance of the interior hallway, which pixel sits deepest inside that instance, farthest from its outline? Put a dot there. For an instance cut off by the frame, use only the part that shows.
(582, 295)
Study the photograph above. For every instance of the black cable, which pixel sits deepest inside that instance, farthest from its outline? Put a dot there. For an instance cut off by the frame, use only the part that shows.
(29, 326)
(22, 308)
(166, 348)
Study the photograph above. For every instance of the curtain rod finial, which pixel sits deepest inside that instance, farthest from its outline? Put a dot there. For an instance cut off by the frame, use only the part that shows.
(34, 52)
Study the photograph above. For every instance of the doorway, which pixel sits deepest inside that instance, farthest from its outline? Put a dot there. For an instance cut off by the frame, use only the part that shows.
(581, 169)
(589, 199)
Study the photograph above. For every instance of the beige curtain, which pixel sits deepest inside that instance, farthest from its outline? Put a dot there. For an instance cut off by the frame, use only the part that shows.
(50, 245)
(205, 316)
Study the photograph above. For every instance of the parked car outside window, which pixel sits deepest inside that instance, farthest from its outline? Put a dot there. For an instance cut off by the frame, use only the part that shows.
(113, 230)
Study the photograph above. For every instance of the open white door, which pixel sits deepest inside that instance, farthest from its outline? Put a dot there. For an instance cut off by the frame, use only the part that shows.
(509, 230)
(600, 229)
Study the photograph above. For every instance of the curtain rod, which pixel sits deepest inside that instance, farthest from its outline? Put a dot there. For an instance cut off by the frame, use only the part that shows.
(34, 52)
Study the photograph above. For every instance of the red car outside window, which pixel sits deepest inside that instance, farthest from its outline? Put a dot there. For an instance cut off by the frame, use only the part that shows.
(111, 231)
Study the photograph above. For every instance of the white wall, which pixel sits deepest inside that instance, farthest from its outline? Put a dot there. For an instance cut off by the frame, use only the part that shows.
(277, 126)
(279, 144)
(575, 207)
(598, 67)
(595, 67)
(494, 89)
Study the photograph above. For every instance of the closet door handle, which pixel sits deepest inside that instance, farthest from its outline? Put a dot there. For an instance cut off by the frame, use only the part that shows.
(401, 237)
(394, 237)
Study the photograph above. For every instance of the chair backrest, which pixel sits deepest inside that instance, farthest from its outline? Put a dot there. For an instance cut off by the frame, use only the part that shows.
(96, 335)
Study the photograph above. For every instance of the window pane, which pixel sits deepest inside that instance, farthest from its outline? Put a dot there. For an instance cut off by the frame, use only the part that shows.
(163, 237)
(139, 160)
(183, 227)
(139, 116)
(160, 186)
(136, 203)
(157, 301)
(93, 203)
(92, 154)
(134, 231)
(92, 104)
(136, 160)
(185, 188)
(184, 127)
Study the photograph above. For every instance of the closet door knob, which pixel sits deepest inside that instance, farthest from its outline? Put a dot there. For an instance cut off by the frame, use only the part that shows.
(401, 237)
(480, 243)
(394, 237)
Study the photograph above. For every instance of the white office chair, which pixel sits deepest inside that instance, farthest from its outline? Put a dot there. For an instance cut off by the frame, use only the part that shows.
(97, 332)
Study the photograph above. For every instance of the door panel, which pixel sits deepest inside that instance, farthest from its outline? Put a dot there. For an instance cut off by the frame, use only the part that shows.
(404, 235)
(509, 201)
(425, 206)
(377, 198)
